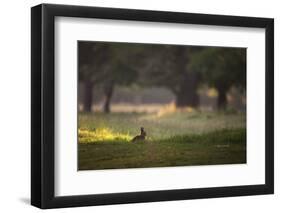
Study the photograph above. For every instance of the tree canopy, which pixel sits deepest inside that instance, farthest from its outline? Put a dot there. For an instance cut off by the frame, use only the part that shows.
(221, 68)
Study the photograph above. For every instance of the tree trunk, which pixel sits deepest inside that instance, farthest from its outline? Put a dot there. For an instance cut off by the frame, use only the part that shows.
(88, 96)
(186, 94)
(108, 92)
(187, 99)
(222, 100)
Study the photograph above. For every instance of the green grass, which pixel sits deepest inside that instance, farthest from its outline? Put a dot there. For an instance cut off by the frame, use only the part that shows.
(174, 139)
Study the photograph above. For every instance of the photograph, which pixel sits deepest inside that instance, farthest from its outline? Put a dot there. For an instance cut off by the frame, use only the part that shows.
(146, 105)
(139, 105)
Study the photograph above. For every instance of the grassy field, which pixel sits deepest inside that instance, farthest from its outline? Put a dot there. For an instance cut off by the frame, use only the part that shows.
(173, 139)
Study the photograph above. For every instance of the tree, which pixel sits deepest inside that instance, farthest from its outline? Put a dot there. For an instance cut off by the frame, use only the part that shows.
(167, 65)
(106, 65)
(120, 74)
(221, 68)
(91, 64)
(187, 81)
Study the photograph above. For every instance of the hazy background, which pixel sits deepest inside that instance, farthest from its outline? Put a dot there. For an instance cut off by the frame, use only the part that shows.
(122, 77)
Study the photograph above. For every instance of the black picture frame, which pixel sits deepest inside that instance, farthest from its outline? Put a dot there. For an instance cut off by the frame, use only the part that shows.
(43, 102)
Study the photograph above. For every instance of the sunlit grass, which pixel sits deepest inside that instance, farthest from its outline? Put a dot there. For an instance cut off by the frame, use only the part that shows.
(170, 123)
(171, 108)
(100, 135)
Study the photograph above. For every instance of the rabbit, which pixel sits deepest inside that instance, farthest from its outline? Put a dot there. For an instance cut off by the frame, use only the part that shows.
(140, 137)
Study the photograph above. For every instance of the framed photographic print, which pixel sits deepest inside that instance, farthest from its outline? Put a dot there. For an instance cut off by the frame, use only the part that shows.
(139, 106)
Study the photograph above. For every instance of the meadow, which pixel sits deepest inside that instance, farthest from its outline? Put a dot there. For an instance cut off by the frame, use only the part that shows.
(176, 138)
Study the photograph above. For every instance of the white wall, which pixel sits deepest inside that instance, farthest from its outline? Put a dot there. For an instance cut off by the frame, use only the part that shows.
(15, 113)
